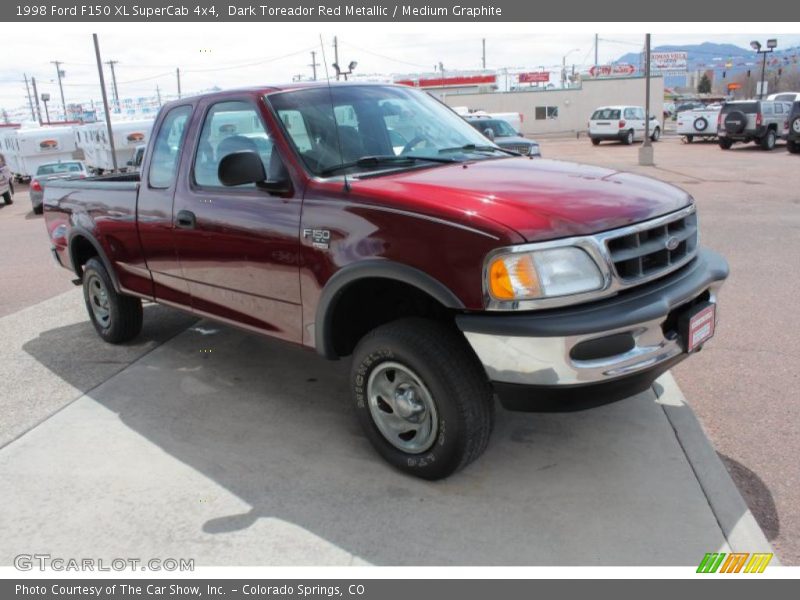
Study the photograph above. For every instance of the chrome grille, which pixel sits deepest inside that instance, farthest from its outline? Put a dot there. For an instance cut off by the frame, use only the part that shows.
(650, 252)
(521, 148)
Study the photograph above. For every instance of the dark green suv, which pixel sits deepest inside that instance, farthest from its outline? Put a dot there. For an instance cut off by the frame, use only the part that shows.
(793, 129)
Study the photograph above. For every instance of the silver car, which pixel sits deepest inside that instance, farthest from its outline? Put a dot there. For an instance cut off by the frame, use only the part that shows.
(63, 169)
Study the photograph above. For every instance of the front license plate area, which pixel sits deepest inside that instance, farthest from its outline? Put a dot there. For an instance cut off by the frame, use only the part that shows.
(696, 325)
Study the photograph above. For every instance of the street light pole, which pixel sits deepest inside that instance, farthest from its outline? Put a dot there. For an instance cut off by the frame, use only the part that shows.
(646, 150)
(58, 64)
(756, 45)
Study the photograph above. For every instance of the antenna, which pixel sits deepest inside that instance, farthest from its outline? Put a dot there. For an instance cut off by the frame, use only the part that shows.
(333, 112)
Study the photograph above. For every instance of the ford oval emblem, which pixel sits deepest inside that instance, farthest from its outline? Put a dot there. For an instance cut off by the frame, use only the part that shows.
(672, 243)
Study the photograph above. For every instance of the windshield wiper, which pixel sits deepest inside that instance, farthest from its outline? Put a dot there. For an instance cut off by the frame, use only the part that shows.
(478, 148)
(388, 159)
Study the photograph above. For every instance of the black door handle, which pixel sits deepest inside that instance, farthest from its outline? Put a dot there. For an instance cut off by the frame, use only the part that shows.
(185, 219)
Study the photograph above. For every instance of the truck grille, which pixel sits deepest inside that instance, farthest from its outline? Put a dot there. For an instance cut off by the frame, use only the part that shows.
(521, 148)
(651, 252)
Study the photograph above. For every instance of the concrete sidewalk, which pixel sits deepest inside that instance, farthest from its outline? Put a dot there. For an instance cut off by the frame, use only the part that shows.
(236, 450)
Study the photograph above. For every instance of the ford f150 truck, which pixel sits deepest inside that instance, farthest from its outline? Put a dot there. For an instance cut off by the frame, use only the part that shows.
(372, 222)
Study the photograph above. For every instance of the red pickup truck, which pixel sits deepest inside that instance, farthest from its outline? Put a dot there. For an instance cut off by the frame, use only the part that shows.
(372, 222)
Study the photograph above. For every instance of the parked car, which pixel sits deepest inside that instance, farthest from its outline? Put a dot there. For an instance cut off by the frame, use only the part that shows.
(502, 134)
(759, 121)
(785, 96)
(48, 172)
(793, 129)
(699, 122)
(449, 273)
(622, 123)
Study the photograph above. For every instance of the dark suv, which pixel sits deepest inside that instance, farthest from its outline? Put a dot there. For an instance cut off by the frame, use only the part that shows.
(793, 126)
(751, 121)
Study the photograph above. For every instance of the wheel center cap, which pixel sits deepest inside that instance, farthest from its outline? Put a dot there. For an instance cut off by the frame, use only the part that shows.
(406, 402)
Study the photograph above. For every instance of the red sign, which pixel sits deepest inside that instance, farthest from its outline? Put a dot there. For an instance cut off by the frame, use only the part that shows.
(453, 81)
(610, 70)
(535, 77)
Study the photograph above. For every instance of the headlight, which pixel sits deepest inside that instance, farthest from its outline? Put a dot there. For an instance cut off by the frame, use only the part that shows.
(542, 274)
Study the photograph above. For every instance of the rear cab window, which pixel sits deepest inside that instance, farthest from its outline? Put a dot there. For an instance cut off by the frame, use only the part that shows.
(605, 114)
(167, 147)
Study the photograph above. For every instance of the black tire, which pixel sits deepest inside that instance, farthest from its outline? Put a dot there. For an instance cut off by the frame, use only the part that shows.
(768, 141)
(656, 134)
(628, 139)
(735, 122)
(793, 147)
(689, 138)
(123, 320)
(38, 210)
(595, 142)
(794, 126)
(725, 144)
(7, 199)
(451, 376)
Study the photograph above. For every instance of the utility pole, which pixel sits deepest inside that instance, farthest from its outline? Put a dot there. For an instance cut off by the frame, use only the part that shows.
(111, 64)
(314, 64)
(58, 64)
(178, 72)
(105, 101)
(158, 94)
(30, 102)
(646, 150)
(336, 54)
(596, 42)
(36, 97)
(483, 54)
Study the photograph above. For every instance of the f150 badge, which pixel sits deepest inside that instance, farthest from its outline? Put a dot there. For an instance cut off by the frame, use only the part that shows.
(320, 238)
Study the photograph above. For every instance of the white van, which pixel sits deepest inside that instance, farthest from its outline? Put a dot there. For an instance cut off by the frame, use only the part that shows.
(621, 123)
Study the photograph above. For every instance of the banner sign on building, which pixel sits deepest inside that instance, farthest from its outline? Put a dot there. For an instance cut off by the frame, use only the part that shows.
(668, 63)
(535, 77)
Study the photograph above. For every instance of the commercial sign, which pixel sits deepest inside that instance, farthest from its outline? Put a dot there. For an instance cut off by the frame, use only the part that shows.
(535, 77)
(668, 63)
(619, 70)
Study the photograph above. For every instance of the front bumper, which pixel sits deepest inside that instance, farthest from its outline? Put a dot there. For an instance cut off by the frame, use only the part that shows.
(624, 338)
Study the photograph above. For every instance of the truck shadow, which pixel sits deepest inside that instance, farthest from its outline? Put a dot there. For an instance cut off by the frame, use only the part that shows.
(756, 494)
(272, 424)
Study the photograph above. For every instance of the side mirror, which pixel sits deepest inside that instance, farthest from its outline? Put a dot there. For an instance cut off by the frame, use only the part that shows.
(489, 133)
(243, 167)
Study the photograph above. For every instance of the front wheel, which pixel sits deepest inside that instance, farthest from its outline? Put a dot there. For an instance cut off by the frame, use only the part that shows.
(656, 134)
(422, 397)
(116, 318)
(793, 147)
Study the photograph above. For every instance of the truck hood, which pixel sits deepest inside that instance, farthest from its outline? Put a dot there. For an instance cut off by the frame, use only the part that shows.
(539, 199)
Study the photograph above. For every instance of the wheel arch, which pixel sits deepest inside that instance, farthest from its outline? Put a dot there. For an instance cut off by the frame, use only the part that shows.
(82, 246)
(374, 270)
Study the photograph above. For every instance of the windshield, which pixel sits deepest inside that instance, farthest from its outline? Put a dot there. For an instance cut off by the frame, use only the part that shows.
(605, 114)
(500, 128)
(333, 128)
(53, 169)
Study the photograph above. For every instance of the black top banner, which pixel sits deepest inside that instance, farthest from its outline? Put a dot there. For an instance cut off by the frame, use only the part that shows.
(378, 10)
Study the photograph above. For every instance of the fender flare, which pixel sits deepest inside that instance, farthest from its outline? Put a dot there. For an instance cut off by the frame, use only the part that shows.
(373, 268)
(76, 232)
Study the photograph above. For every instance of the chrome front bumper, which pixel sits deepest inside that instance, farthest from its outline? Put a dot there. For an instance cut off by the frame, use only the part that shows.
(540, 349)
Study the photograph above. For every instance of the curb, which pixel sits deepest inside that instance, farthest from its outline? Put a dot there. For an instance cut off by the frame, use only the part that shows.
(737, 523)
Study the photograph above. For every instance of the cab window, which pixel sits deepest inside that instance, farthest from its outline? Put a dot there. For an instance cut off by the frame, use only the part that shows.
(229, 127)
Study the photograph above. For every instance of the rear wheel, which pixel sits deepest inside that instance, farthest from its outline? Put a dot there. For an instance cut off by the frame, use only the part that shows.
(725, 144)
(595, 142)
(793, 147)
(116, 318)
(768, 141)
(422, 397)
(688, 138)
(628, 140)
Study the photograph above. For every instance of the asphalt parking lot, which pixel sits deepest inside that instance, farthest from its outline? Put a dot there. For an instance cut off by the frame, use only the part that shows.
(249, 454)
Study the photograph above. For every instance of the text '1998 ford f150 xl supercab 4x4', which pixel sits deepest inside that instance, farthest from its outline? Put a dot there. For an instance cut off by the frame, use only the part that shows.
(370, 221)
